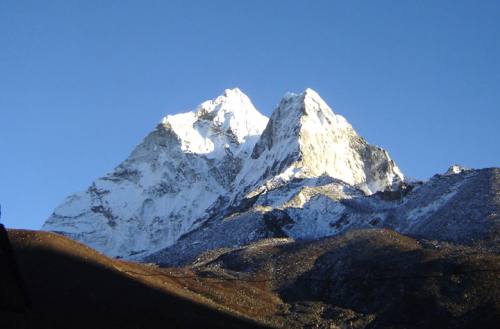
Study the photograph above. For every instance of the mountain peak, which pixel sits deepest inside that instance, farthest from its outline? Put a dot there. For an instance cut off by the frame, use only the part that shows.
(313, 99)
(306, 106)
(310, 93)
(306, 139)
(298, 115)
(218, 124)
(234, 92)
(232, 100)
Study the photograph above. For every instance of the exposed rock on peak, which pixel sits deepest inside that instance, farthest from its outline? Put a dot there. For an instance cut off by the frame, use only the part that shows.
(305, 138)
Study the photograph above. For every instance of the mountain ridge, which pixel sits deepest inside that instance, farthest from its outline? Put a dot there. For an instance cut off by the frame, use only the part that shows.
(224, 175)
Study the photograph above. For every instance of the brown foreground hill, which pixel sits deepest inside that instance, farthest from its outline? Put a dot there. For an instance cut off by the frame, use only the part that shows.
(363, 279)
(72, 286)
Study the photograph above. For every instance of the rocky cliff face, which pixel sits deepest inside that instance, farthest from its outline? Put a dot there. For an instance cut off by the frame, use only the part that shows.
(224, 175)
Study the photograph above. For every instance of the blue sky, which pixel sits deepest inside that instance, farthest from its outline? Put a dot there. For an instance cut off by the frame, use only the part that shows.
(82, 82)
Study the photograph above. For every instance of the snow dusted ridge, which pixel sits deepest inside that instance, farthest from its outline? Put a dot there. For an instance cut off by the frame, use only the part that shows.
(221, 159)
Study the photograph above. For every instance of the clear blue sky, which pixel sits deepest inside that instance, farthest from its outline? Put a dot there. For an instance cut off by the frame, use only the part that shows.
(82, 82)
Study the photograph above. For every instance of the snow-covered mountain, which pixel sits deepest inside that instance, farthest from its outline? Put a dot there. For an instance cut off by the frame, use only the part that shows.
(167, 184)
(223, 175)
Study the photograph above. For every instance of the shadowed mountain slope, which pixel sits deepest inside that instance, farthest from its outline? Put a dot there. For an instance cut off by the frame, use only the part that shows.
(13, 299)
(73, 286)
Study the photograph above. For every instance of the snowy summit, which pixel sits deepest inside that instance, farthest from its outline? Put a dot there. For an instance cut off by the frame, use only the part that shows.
(229, 122)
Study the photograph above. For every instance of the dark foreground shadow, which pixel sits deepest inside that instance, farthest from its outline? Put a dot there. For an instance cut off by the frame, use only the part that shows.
(71, 292)
(13, 300)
